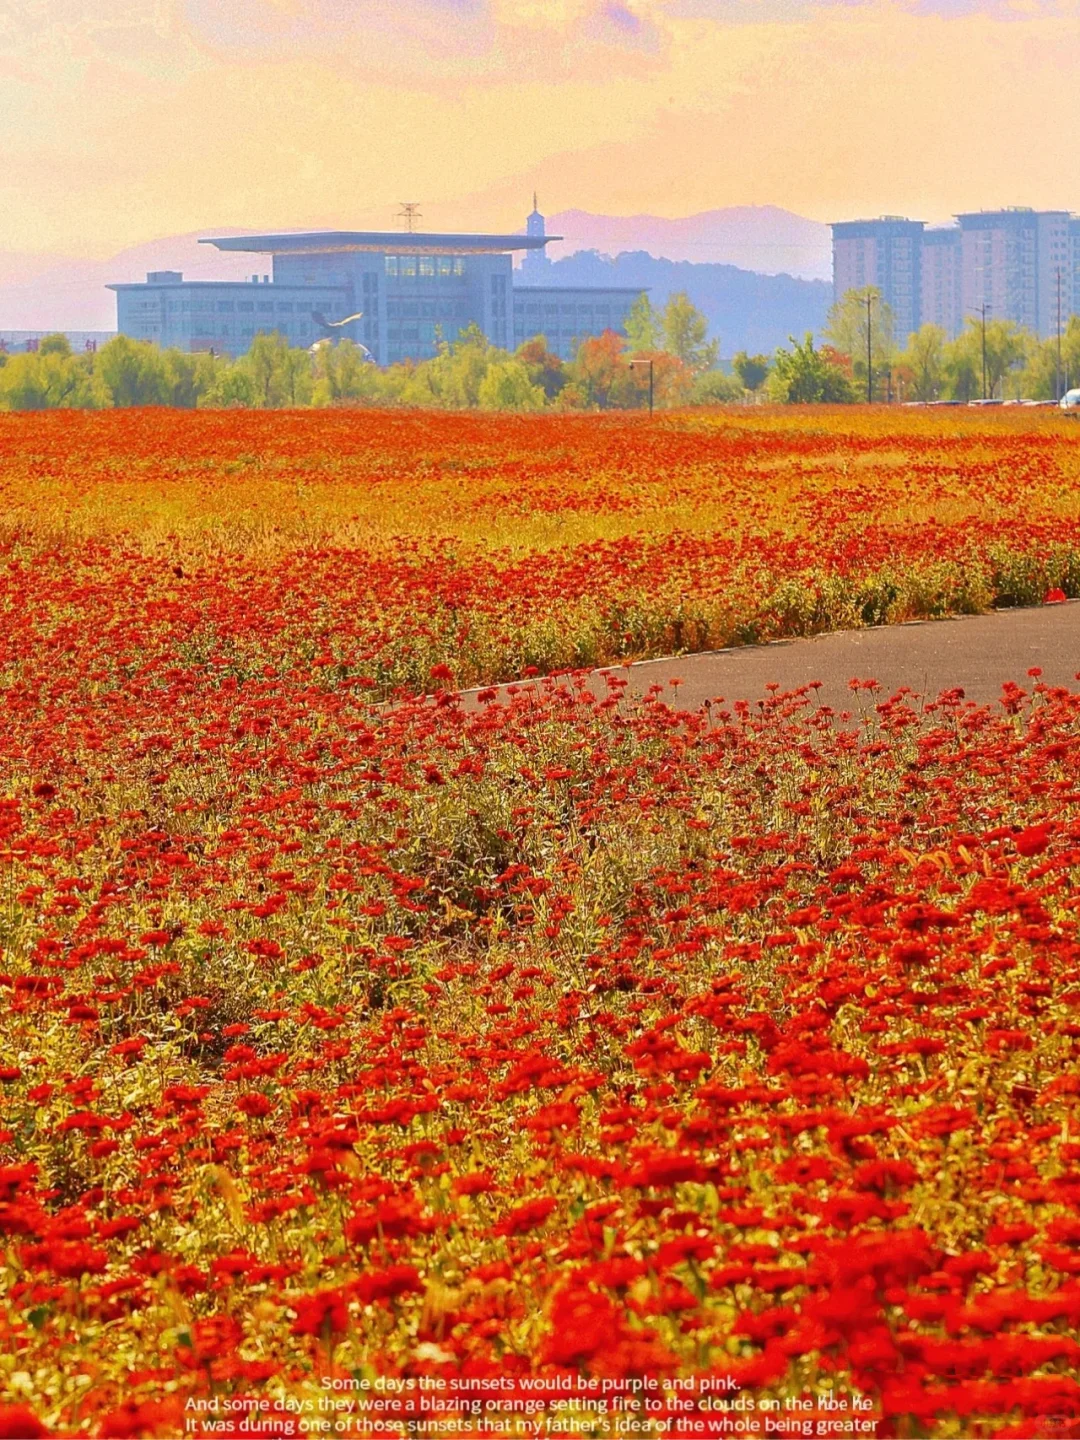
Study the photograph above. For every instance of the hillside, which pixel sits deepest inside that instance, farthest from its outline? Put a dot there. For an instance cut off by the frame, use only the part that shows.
(763, 238)
(746, 311)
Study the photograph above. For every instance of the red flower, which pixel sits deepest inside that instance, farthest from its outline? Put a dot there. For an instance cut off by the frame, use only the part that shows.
(583, 1322)
(18, 1422)
(1032, 841)
(254, 1104)
(324, 1313)
(529, 1216)
(133, 1421)
(388, 1284)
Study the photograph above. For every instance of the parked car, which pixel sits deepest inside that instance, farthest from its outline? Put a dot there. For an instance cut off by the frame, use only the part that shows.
(1070, 402)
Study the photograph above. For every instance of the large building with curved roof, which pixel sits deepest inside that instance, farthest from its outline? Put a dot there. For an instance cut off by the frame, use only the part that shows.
(397, 293)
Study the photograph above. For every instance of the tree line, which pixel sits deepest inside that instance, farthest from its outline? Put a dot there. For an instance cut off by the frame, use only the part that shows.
(665, 353)
(466, 372)
(990, 358)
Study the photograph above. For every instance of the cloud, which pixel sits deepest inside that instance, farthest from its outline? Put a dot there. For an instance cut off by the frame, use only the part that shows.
(621, 16)
(152, 117)
(788, 11)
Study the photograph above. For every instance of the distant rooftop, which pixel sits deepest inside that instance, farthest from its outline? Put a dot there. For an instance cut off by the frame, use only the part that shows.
(1012, 214)
(880, 219)
(399, 242)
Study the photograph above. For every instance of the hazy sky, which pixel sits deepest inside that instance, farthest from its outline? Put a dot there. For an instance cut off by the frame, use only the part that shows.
(123, 120)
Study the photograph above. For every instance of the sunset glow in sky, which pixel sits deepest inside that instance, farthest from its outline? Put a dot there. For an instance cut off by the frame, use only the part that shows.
(131, 119)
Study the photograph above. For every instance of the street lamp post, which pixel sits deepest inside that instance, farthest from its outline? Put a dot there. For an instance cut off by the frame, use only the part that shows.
(1057, 375)
(649, 363)
(869, 350)
(982, 312)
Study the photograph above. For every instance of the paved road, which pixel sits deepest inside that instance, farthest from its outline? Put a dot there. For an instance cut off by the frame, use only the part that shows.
(976, 652)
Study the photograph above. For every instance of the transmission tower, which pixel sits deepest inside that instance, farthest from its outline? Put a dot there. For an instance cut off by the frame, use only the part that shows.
(408, 215)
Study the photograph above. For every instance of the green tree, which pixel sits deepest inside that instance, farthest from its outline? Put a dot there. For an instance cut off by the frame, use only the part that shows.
(47, 380)
(685, 328)
(454, 376)
(131, 372)
(1042, 378)
(924, 361)
(804, 376)
(233, 388)
(187, 377)
(342, 374)
(281, 376)
(751, 370)
(644, 325)
(1070, 353)
(262, 364)
(713, 387)
(852, 322)
(55, 344)
(507, 386)
(1006, 345)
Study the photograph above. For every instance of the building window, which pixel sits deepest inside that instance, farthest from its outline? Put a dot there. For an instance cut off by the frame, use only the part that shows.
(284, 307)
(245, 305)
(426, 267)
(225, 306)
(407, 267)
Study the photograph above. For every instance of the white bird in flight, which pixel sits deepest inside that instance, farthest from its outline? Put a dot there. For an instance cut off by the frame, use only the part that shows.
(334, 324)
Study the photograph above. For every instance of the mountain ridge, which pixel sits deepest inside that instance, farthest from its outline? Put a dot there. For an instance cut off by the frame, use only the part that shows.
(764, 239)
(56, 292)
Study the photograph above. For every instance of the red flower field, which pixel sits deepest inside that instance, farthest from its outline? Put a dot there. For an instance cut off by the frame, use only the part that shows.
(551, 1051)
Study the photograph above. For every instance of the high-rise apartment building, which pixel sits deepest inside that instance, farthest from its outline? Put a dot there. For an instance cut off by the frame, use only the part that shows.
(1012, 262)
(942, 302)
(886, 253)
